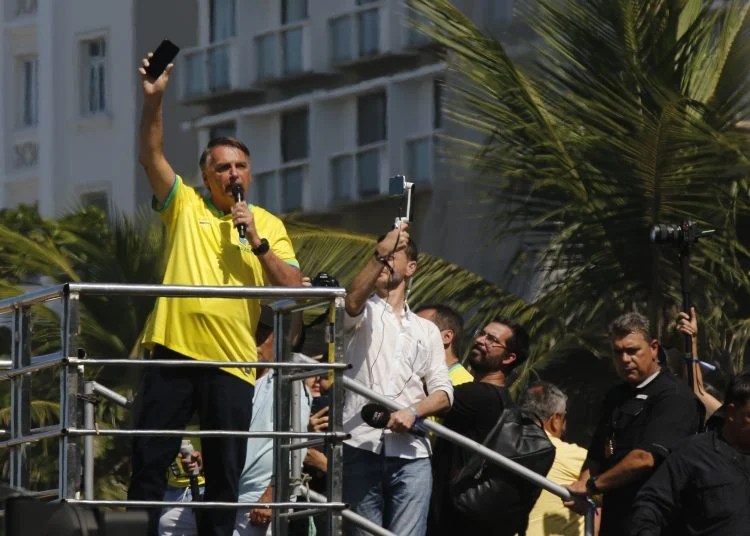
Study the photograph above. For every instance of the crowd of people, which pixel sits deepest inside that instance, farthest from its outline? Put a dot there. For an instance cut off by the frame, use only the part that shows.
(647, 468)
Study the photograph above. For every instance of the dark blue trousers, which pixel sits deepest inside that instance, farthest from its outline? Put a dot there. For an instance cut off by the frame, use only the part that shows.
(167, 399)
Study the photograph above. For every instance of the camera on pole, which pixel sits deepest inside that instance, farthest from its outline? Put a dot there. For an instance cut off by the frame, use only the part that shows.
(684, 236)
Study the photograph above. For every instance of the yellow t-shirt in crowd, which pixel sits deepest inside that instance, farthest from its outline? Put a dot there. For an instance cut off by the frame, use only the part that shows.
(459, 374)
(550, 517)
(204, 248)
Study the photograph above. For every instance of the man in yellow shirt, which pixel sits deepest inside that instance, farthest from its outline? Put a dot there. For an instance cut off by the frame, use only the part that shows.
(550, 517)
(451, 326)
(215, 239)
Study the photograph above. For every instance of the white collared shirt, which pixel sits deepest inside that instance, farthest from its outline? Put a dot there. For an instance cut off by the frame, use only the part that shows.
(397, 356)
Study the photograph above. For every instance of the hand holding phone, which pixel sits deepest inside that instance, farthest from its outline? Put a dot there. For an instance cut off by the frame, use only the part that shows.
(164, 54)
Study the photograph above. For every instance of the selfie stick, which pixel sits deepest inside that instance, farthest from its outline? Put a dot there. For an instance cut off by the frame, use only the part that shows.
(408, 189)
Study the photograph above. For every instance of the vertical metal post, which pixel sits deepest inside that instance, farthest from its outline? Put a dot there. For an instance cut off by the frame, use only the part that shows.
(70, 417)
(88, 442)
(20, 397)
(334, 449)
(281, 420)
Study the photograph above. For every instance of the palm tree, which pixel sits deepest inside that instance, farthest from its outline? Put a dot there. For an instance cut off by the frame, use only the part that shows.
(86, 247)
(626, 118)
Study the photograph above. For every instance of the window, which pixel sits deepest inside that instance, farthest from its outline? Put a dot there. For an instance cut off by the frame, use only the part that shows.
(437, 103)
(265, 184)
(368, 23)
(222, 14)
(94, 76)
(266, 47)
(341, 39)
(291, 188)
(222, 131)
(29, 91)
(342, 173)
(419, 159)
(294, 140)
(293, 11)
(291, 51)
(371, 118)
(368, 172)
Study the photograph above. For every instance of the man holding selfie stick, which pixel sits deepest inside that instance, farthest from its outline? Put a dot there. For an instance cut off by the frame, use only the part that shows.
(214, 239)
(394, 352)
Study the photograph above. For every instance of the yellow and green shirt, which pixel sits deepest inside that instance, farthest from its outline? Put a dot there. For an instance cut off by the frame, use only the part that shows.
(204, 248)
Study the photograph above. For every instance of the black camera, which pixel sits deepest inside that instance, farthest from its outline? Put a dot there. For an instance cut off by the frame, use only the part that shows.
(685, 233)
(324, 280)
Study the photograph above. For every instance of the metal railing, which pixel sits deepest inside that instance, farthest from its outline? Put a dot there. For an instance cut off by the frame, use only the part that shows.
(76, 412)
(72, 362)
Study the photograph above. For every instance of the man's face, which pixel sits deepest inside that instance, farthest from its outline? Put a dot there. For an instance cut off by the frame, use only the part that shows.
(489, 353)
(225, 167)
(398, 268)
(635, 357)
(738, 424)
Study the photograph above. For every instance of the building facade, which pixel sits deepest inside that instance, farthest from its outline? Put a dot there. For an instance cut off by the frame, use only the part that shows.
(70, 101)
(333, 97)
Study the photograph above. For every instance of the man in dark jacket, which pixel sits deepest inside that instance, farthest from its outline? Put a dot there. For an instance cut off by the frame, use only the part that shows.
(704, 488)
(643, 420)
(498, 348)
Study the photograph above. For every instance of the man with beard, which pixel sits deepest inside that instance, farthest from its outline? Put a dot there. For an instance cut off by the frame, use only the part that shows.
(498, 348)
(397, 354)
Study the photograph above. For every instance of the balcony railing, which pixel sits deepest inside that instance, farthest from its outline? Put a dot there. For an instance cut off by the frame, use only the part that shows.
(283, 52)
(357, 175)
(210, 69)
(356, 34)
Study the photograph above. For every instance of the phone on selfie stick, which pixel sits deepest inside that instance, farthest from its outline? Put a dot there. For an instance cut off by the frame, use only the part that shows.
(398, 186)
(164, 54)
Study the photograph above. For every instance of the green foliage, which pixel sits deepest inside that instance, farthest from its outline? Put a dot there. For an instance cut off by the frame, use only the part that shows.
(626, 118)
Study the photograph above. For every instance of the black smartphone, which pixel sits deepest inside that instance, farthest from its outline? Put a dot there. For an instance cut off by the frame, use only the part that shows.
(319, 403)
(163, 56)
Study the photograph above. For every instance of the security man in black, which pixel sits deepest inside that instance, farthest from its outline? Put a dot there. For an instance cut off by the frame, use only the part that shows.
(704, 488)
(643, 420)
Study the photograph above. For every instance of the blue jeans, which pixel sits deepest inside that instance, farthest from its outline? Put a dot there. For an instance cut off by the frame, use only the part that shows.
(391, 492)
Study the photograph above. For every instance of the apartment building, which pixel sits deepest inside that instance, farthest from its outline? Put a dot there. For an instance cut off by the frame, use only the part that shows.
(70, 100)
(333, 97)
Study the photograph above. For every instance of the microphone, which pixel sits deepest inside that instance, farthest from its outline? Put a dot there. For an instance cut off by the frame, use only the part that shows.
(239, 195)
(378, 416)
(186, 449)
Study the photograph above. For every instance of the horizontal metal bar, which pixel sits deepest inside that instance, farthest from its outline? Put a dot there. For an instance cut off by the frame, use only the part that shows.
(330, 436)
(303, 513)
(38, 363)
(197, 291)
(32, 298)
(56, 431)
(450, 435)
(349, 515)
(6, 364)
(111, 395)
(199, 363)
(201, 504)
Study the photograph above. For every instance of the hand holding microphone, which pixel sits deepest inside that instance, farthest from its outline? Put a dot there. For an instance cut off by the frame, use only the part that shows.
(403, 420)
(190, 459)
(239, 196)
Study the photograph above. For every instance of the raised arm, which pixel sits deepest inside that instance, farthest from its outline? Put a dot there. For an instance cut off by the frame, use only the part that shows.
(363, 284)
(688, 325)
(151, 146)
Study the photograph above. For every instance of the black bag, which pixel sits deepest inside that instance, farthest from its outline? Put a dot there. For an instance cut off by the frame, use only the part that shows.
(485, 491)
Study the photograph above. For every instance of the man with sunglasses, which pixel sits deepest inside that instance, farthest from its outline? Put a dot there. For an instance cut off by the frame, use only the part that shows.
(498, 348)
(644, 419)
